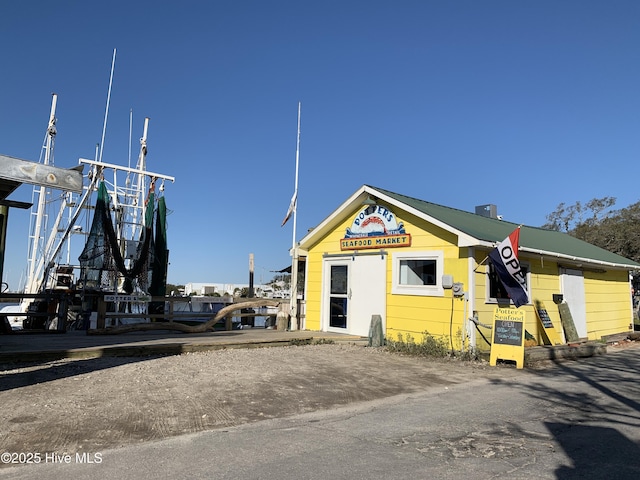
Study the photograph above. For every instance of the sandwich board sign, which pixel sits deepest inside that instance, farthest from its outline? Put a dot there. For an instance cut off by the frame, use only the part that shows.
(508, 336)
(552, 334)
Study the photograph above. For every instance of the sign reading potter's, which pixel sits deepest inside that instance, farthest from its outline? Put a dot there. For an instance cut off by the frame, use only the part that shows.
(375, 227)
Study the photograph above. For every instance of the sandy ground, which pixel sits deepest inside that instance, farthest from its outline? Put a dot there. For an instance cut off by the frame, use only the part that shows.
(94, 404)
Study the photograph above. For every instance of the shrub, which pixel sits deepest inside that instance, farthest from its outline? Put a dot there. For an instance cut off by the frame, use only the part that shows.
(324, 341)
(430, 346)
(297, 342)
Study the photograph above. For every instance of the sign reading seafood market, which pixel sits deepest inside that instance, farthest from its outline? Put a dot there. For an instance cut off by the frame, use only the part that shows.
(375, 227)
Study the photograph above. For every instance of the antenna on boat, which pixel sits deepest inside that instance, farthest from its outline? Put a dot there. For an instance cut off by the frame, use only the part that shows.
(127, 182)
(130, 133)
(106, 112)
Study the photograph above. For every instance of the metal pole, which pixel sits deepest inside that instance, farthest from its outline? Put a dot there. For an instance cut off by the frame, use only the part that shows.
(37, 238)
(250, 294)
(4, 220)
(106, 111)
(294, 248)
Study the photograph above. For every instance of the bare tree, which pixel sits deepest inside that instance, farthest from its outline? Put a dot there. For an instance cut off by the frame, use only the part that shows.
(566, 218)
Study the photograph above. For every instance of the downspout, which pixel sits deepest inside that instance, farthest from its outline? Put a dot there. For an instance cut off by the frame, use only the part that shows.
(470, 301)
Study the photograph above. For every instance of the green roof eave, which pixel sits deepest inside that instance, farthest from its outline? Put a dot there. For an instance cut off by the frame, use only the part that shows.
(479, 231)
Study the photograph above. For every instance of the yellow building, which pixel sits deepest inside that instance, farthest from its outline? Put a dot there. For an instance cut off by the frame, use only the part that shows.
(424, 268)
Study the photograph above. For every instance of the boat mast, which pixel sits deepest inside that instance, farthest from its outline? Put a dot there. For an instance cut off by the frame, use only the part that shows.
(37, 238)
(139, 195)
(94, 176)
(106, 111)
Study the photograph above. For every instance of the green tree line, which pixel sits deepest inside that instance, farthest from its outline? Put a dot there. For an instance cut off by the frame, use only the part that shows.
(597, 222)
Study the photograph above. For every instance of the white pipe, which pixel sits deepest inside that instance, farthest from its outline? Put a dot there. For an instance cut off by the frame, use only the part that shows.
(294, 262)
(125, 169)
(142, 184)
(472, 296)
(130, 135)
(76, 214)
(106, 112)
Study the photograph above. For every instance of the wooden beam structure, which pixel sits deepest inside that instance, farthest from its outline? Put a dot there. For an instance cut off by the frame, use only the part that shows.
(16, 171)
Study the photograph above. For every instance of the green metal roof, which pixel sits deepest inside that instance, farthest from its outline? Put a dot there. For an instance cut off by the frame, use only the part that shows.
(532, 239)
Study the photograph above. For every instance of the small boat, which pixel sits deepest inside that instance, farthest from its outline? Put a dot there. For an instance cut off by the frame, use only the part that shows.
(14, 321)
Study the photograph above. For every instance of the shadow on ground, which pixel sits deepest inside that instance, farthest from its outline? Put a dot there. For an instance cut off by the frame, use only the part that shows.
(602, 390)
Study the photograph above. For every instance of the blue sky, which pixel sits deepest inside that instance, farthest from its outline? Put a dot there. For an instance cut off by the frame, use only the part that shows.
(521, 104)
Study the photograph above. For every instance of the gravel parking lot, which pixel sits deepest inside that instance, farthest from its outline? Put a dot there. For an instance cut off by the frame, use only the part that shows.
(99, 403)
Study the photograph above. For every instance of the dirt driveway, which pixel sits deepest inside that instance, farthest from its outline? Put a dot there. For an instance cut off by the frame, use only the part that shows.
(90, 405)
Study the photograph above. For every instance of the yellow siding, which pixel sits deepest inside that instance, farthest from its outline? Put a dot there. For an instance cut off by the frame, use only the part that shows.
(438, 316)
(406, 314)
(544, 283)
(608, 300)
(608, 295)
(313, 291)
(329, 244)
(608, 303)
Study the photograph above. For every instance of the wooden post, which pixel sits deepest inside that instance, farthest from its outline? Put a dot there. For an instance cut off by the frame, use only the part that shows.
(251, 275)
(102, 311)
(171, 311)
(63, 308)
(4, 215)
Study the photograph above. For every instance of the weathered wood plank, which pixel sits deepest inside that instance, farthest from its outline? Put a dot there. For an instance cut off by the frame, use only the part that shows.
(24, 171)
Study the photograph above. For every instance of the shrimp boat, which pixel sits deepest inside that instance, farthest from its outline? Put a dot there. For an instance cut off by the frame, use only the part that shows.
(120, 217)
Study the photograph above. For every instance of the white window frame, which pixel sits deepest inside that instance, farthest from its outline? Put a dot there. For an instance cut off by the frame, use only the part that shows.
(494, 300)
(422, 290)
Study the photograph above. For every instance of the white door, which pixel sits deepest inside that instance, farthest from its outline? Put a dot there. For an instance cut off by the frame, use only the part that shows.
(572, 284)
(354, 290)
(336, 296)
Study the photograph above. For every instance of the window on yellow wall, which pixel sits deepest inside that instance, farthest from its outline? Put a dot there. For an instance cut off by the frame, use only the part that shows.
(418, 273)
(497, 292)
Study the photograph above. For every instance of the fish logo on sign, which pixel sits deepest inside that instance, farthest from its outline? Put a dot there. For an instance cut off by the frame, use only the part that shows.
(375, 226)
(374, 220)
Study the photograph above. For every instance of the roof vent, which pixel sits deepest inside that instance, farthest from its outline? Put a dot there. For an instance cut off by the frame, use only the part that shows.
(488, 210)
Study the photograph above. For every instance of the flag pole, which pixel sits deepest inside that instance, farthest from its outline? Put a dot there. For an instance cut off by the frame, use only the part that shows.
(294, 246)
(478, 266)
(487, 257)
